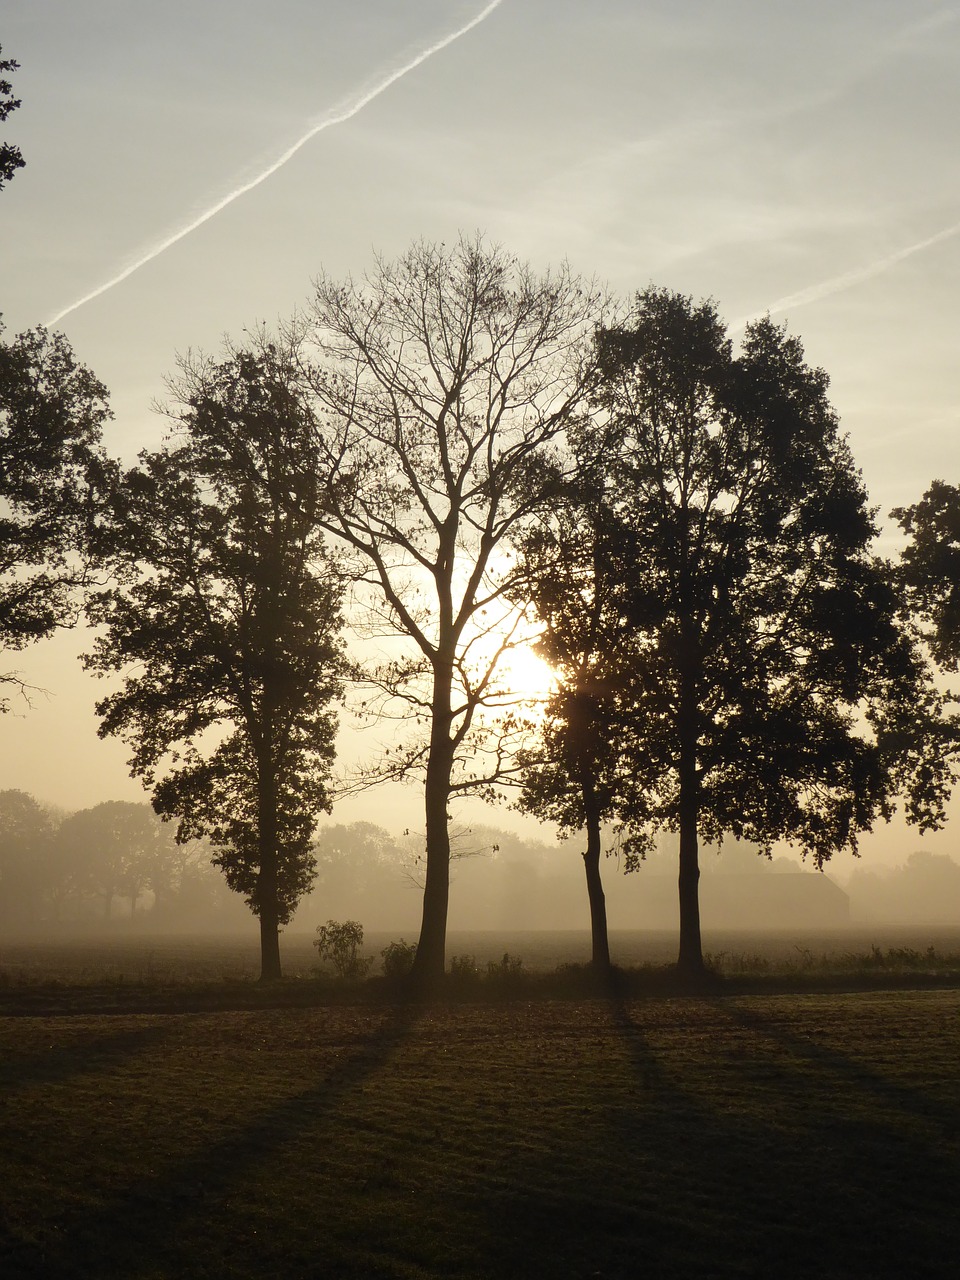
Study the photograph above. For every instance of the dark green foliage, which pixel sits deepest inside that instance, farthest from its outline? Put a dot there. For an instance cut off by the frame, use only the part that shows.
(225, 626)
(930, 566)
(53, 474)
(11, 158)
(575, 774)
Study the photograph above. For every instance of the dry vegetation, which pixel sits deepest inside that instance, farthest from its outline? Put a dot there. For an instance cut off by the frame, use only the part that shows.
(738, 1136)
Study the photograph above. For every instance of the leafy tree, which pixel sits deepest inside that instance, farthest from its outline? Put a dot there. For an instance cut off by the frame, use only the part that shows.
(11, 158)
(930, 566)
(53, 475)
(225, 626)
(776, 690)
(446, 380)
(573, 775)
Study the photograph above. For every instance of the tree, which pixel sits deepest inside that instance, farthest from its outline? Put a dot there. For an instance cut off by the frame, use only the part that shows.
(11, 158)
(117, 849)
(446, 380)
(573, 775)
(930, 567)
(27, 858)
(225, 623)
(53, 475)
(776, 688)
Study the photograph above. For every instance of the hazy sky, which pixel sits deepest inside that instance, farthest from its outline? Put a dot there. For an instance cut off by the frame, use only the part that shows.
(798, 158)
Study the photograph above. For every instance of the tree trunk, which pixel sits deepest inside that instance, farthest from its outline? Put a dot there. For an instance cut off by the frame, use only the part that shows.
(269, 947)
(600, 943)
(690, 961)
(267, 892)
(430, 960)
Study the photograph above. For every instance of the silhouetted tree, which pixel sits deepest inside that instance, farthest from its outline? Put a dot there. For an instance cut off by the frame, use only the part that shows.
(776, 689)
(573, 776)
(11, 158)
(446, 379)
(930, 566)
(53, 475)
(225, 625)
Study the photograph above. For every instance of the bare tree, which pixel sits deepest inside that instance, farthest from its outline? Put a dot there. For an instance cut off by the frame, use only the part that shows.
(444, 383)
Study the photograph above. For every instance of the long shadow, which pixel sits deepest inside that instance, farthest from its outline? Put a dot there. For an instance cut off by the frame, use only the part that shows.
(816, 1189)
(682, 1176)
(850, 1071)
(58, 1063)
(119, 1239)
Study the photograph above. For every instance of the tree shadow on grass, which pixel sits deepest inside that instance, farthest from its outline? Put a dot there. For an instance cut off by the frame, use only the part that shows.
(59, 1063)
(147, 1230)
(851, 1072)
(686, 1173)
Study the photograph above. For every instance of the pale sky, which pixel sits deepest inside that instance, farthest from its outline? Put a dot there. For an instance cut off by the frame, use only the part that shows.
(797, 158)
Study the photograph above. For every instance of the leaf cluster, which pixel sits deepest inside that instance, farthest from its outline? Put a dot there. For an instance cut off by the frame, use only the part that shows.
(930, 567)
(53, 479)
(11, 157)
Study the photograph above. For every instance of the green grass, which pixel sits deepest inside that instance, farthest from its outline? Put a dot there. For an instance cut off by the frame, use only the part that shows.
(752, 1136)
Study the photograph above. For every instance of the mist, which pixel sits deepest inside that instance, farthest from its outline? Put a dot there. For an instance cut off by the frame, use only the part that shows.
(115, 869)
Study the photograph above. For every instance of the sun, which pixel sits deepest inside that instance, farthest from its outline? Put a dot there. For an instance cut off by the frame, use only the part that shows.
(525, 674)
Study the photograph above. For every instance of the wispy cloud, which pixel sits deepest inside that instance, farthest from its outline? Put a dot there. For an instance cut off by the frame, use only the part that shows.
(346, 110)
(848, 279)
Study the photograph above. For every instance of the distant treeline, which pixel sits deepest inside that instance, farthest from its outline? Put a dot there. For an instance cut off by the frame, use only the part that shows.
(114, 861)
(117, 862)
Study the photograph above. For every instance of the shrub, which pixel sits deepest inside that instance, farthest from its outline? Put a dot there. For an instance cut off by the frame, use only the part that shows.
(398, 958)
(339, 942)
(464, 969)
(505, 970)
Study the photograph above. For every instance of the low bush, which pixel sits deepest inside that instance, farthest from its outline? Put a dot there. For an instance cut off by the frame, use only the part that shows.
(398, 958)
(339, 942)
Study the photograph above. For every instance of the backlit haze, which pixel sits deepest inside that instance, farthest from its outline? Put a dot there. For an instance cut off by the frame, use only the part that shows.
(793, 158)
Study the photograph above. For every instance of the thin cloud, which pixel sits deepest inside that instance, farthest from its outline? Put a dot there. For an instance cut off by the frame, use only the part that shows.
(848, 279)
(337, 115)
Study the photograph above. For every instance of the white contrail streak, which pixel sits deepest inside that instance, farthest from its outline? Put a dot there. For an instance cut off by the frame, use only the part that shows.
(338, 115)
(836, 284)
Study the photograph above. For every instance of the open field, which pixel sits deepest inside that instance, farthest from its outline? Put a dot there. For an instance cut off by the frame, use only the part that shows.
(127, 956)
(752, 1136)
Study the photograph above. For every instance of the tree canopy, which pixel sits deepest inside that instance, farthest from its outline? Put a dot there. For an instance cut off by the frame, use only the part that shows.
(225, 626)
(53, 477)
(574, 774)
(11, 158)
(444, 382)
(930, 566)
(774, 687)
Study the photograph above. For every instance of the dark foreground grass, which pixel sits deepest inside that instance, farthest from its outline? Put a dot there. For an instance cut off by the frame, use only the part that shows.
(752, 1136)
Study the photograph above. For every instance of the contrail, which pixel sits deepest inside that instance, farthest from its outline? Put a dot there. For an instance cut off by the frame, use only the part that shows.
(338, 115)
(836, 284)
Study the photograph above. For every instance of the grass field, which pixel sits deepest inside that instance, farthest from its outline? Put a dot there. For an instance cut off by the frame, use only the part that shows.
(752, 1136)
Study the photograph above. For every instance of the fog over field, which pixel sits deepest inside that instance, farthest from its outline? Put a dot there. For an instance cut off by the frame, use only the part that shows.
(114, 872)
(796, 159)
